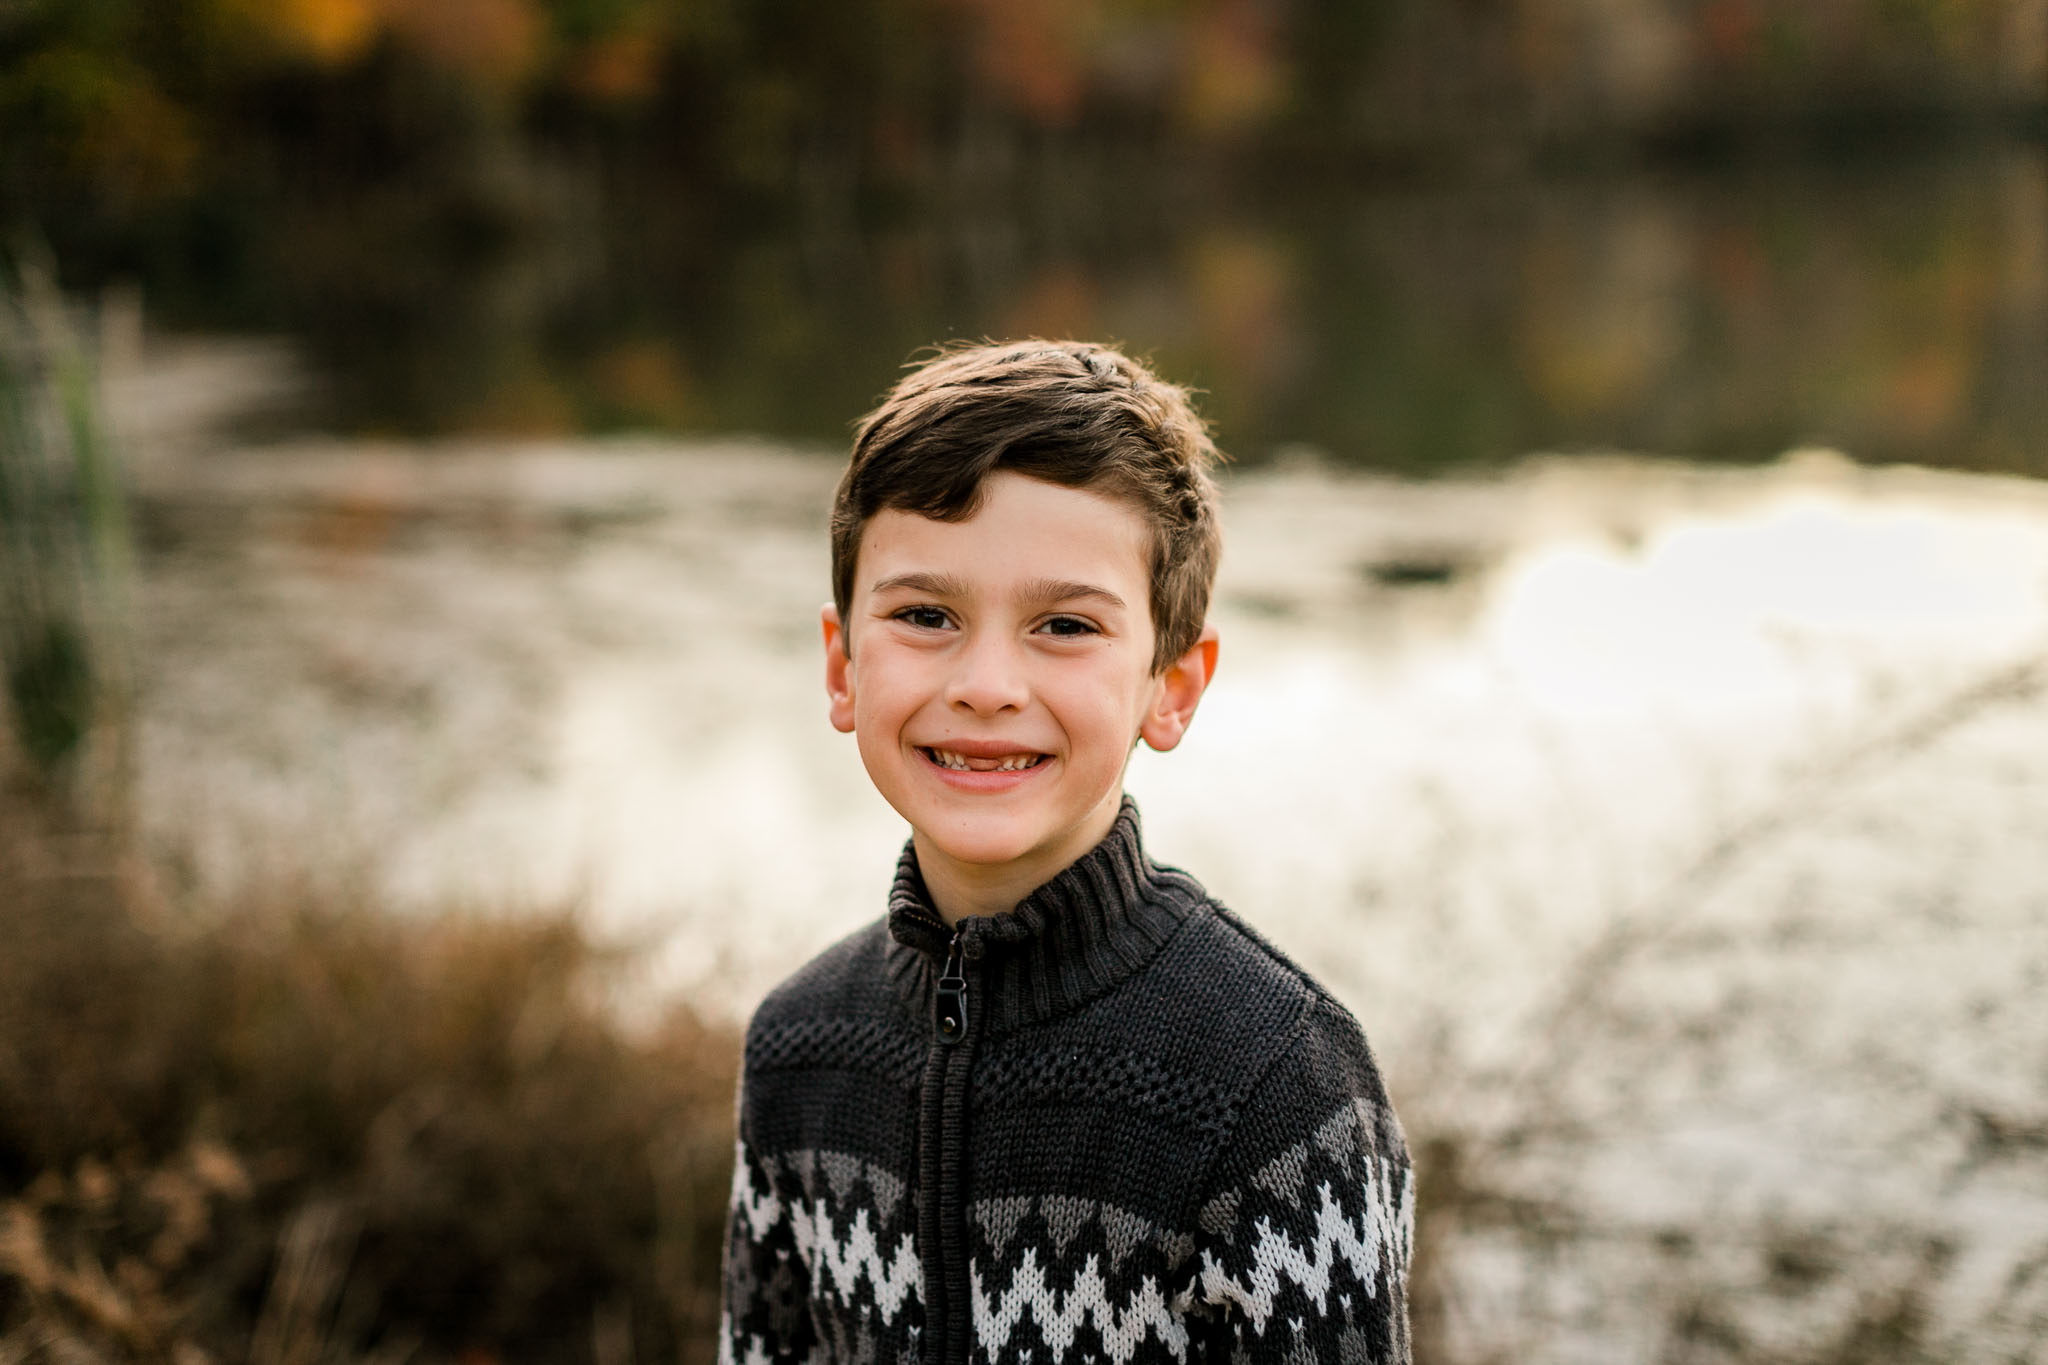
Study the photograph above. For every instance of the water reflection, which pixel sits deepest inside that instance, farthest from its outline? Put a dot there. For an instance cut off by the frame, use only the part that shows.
(1901, 314)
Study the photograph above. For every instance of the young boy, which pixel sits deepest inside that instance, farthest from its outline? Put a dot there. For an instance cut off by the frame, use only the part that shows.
(1059, 1105)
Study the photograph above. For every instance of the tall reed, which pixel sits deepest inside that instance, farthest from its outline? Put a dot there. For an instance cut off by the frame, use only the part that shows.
(65, 560)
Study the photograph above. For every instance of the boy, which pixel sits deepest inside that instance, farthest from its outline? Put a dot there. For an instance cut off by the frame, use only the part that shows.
(1059, 1105)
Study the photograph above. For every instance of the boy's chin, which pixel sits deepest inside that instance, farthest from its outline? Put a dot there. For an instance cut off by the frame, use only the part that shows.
(987, 851)
(995, 848)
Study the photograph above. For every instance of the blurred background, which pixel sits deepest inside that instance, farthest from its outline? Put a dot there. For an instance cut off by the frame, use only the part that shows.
(416, 428)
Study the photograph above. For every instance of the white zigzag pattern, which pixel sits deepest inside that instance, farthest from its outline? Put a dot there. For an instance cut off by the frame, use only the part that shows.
(757, 1350)
(760, 1208)
(843, 1265)
(836, 1266)
(1059, 1316)
(1382, 1234)
(1384, 1226)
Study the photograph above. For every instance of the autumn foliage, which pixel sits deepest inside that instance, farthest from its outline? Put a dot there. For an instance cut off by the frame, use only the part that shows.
(129, 101)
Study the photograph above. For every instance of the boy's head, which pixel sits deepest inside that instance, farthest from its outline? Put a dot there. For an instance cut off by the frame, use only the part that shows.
(1066, 413)
(1022, 550)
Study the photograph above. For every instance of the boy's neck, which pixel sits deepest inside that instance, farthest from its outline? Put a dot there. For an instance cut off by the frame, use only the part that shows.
(961, 890)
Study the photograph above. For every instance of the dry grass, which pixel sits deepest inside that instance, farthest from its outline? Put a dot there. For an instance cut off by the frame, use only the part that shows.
(297, 1133)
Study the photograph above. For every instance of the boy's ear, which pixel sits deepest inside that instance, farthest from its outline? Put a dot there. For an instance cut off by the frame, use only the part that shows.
(838, 671)
(1180, 691)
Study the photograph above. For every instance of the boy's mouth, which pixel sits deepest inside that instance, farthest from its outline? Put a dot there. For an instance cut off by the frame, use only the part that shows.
(961, 763)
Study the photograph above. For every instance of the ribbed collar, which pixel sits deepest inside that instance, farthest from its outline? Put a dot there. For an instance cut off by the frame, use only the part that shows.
(1069, 941)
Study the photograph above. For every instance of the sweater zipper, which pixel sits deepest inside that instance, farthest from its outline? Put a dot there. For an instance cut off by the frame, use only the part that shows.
(949, 1002)
(948, 1327)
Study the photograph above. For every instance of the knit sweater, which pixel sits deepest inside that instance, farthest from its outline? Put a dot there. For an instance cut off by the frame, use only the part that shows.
(1112, 1125)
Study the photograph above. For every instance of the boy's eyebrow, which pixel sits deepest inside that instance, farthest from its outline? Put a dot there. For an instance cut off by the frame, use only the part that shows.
(1041, 590)
(1066, 590)
(936, 584)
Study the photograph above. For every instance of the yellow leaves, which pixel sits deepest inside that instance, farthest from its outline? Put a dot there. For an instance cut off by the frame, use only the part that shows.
(327, 32)
(494, 41)
(333, 32)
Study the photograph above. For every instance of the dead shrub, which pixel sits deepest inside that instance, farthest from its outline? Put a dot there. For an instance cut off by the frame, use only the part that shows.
(299, 1132)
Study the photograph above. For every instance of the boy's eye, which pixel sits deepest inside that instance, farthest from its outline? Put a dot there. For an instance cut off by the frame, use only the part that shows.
(924, 618)
(1068, 625)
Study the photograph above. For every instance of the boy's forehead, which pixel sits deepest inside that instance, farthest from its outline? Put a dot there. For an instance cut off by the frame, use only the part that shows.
(1023, 530)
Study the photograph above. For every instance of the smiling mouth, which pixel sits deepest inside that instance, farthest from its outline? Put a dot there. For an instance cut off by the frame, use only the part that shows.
(961, 763)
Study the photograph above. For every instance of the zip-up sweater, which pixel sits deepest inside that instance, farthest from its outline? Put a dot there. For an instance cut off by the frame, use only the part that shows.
(1113, 1125)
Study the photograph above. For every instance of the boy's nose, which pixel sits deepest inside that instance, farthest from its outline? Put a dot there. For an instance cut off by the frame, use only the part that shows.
(989, 677)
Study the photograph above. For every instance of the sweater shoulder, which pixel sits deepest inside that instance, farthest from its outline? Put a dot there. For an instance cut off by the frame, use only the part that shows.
(1221, 975)
(1324, 1075)
(1265, 957)
(846, 977)
(1303, 1057)
(1218, 1006)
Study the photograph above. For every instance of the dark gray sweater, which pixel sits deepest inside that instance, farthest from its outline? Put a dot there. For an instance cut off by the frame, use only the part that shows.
(1112, 1125)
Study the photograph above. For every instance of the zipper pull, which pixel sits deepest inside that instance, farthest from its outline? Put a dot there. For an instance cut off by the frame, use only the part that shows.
(950, 1004)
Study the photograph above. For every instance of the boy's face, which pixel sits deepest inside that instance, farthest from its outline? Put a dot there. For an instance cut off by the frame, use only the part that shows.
(1000, 673)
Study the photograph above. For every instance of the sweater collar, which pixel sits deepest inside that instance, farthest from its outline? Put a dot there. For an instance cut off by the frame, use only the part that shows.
(1097, 921)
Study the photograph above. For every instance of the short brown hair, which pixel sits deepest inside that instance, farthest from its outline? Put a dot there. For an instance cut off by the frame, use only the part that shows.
(1067, 412)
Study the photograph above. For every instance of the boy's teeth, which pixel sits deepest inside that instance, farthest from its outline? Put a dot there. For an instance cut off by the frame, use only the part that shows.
(961, 763)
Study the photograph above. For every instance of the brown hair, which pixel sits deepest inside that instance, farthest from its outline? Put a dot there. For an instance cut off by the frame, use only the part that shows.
(1067, 412)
